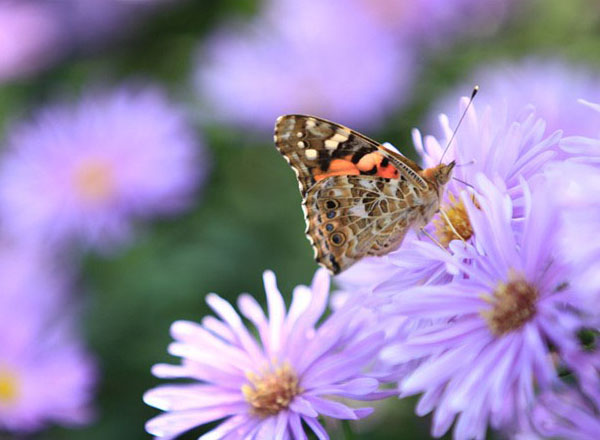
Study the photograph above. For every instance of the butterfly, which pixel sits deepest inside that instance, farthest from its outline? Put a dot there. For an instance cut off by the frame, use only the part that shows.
(359, 197)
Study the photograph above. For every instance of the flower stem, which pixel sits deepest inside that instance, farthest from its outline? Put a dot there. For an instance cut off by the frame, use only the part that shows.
(347, 430)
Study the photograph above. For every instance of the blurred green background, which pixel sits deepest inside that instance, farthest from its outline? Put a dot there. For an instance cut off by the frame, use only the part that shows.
(247, 218)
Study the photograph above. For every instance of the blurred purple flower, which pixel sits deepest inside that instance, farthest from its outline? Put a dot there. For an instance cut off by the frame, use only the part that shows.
(486, 351)
(325, 58)
(46, 376)
(440, 22)
(87, 170)
(30, 38)
(269, 389)
(505, 149)
(551, 86)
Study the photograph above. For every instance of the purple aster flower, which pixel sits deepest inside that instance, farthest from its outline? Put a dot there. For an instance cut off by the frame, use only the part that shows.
(487, 348)
(490, 142)
(440, 22)
(46, 376)
(551, 86)
(565, 414)
(325, 58)
(30, 38)
(267, 388)
(87, 170)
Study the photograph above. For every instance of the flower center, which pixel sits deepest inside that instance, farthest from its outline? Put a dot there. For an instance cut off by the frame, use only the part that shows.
(273, 391)
(457, 214)
(94, 181)
(9, 387)
(513, 305)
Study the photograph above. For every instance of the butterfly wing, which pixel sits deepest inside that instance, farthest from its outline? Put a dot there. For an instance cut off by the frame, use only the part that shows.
(370, 190)
(350, 217)
(317, 149)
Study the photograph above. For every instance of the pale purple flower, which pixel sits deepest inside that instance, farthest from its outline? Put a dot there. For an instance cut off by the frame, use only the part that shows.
(441, 22)
(267, 387)
(564, 414)
(490, 142)
(550, 86)
(46, 375)
(86, 170)
(331, 59)
(486, 351)
(30, 38)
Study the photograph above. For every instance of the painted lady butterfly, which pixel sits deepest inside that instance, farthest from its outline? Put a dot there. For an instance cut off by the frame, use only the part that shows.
(359, 197)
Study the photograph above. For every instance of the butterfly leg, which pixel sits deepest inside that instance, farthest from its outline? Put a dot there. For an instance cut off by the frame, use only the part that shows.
(451, 226)
(432, 238)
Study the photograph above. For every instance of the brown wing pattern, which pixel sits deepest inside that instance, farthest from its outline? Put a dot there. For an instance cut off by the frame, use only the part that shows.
(349, 217)
(310, 144)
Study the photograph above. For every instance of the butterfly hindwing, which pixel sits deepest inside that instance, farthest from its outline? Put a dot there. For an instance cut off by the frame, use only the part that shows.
(349, 217)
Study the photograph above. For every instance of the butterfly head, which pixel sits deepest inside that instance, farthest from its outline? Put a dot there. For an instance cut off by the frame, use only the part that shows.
(440, 174)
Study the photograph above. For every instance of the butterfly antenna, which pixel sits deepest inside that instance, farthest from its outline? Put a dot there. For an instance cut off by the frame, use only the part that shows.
(473, 93)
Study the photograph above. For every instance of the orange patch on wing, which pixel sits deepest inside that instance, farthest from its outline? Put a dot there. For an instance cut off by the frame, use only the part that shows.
(345, 167)
(338, 167)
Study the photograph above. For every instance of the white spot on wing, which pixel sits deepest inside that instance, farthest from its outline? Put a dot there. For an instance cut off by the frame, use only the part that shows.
(301, 144)
(311, 154)
(330, 144)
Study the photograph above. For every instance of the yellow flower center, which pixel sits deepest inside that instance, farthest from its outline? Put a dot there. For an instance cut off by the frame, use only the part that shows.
(9, 387)
(272, 391)
(94, 181)
(456, 213)
(513, 305)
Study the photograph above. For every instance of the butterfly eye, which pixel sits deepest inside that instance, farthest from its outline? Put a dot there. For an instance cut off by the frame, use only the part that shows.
(331, 204)
(338, 238)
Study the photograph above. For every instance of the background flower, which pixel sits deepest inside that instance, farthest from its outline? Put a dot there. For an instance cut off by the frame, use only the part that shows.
(307, 63)
(46, 375)
(551, 86)
(30, 38)
(87, 170)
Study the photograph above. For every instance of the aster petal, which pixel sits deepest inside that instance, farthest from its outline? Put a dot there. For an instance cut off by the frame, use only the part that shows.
(217, 327)
(190, 396)
(355, 388)
(449, 301)
(254, 313)
(302, 406)
(341, 366)
(236, 427)
(176, 423)
(281, 431)
(331, 408)
(229, 315)
(277, 313)
(316, 427)
(192, 334)
(296, 427)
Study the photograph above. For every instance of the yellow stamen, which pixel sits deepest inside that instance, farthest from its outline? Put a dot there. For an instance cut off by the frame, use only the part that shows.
(513, 305)
(94, 181)
(272, 391)
(9, 387)
(456, 213)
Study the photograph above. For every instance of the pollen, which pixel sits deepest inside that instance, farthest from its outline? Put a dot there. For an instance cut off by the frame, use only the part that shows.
(513, 305)
(456, 213)
(272, 391)
(9, 387)
(94, 181)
